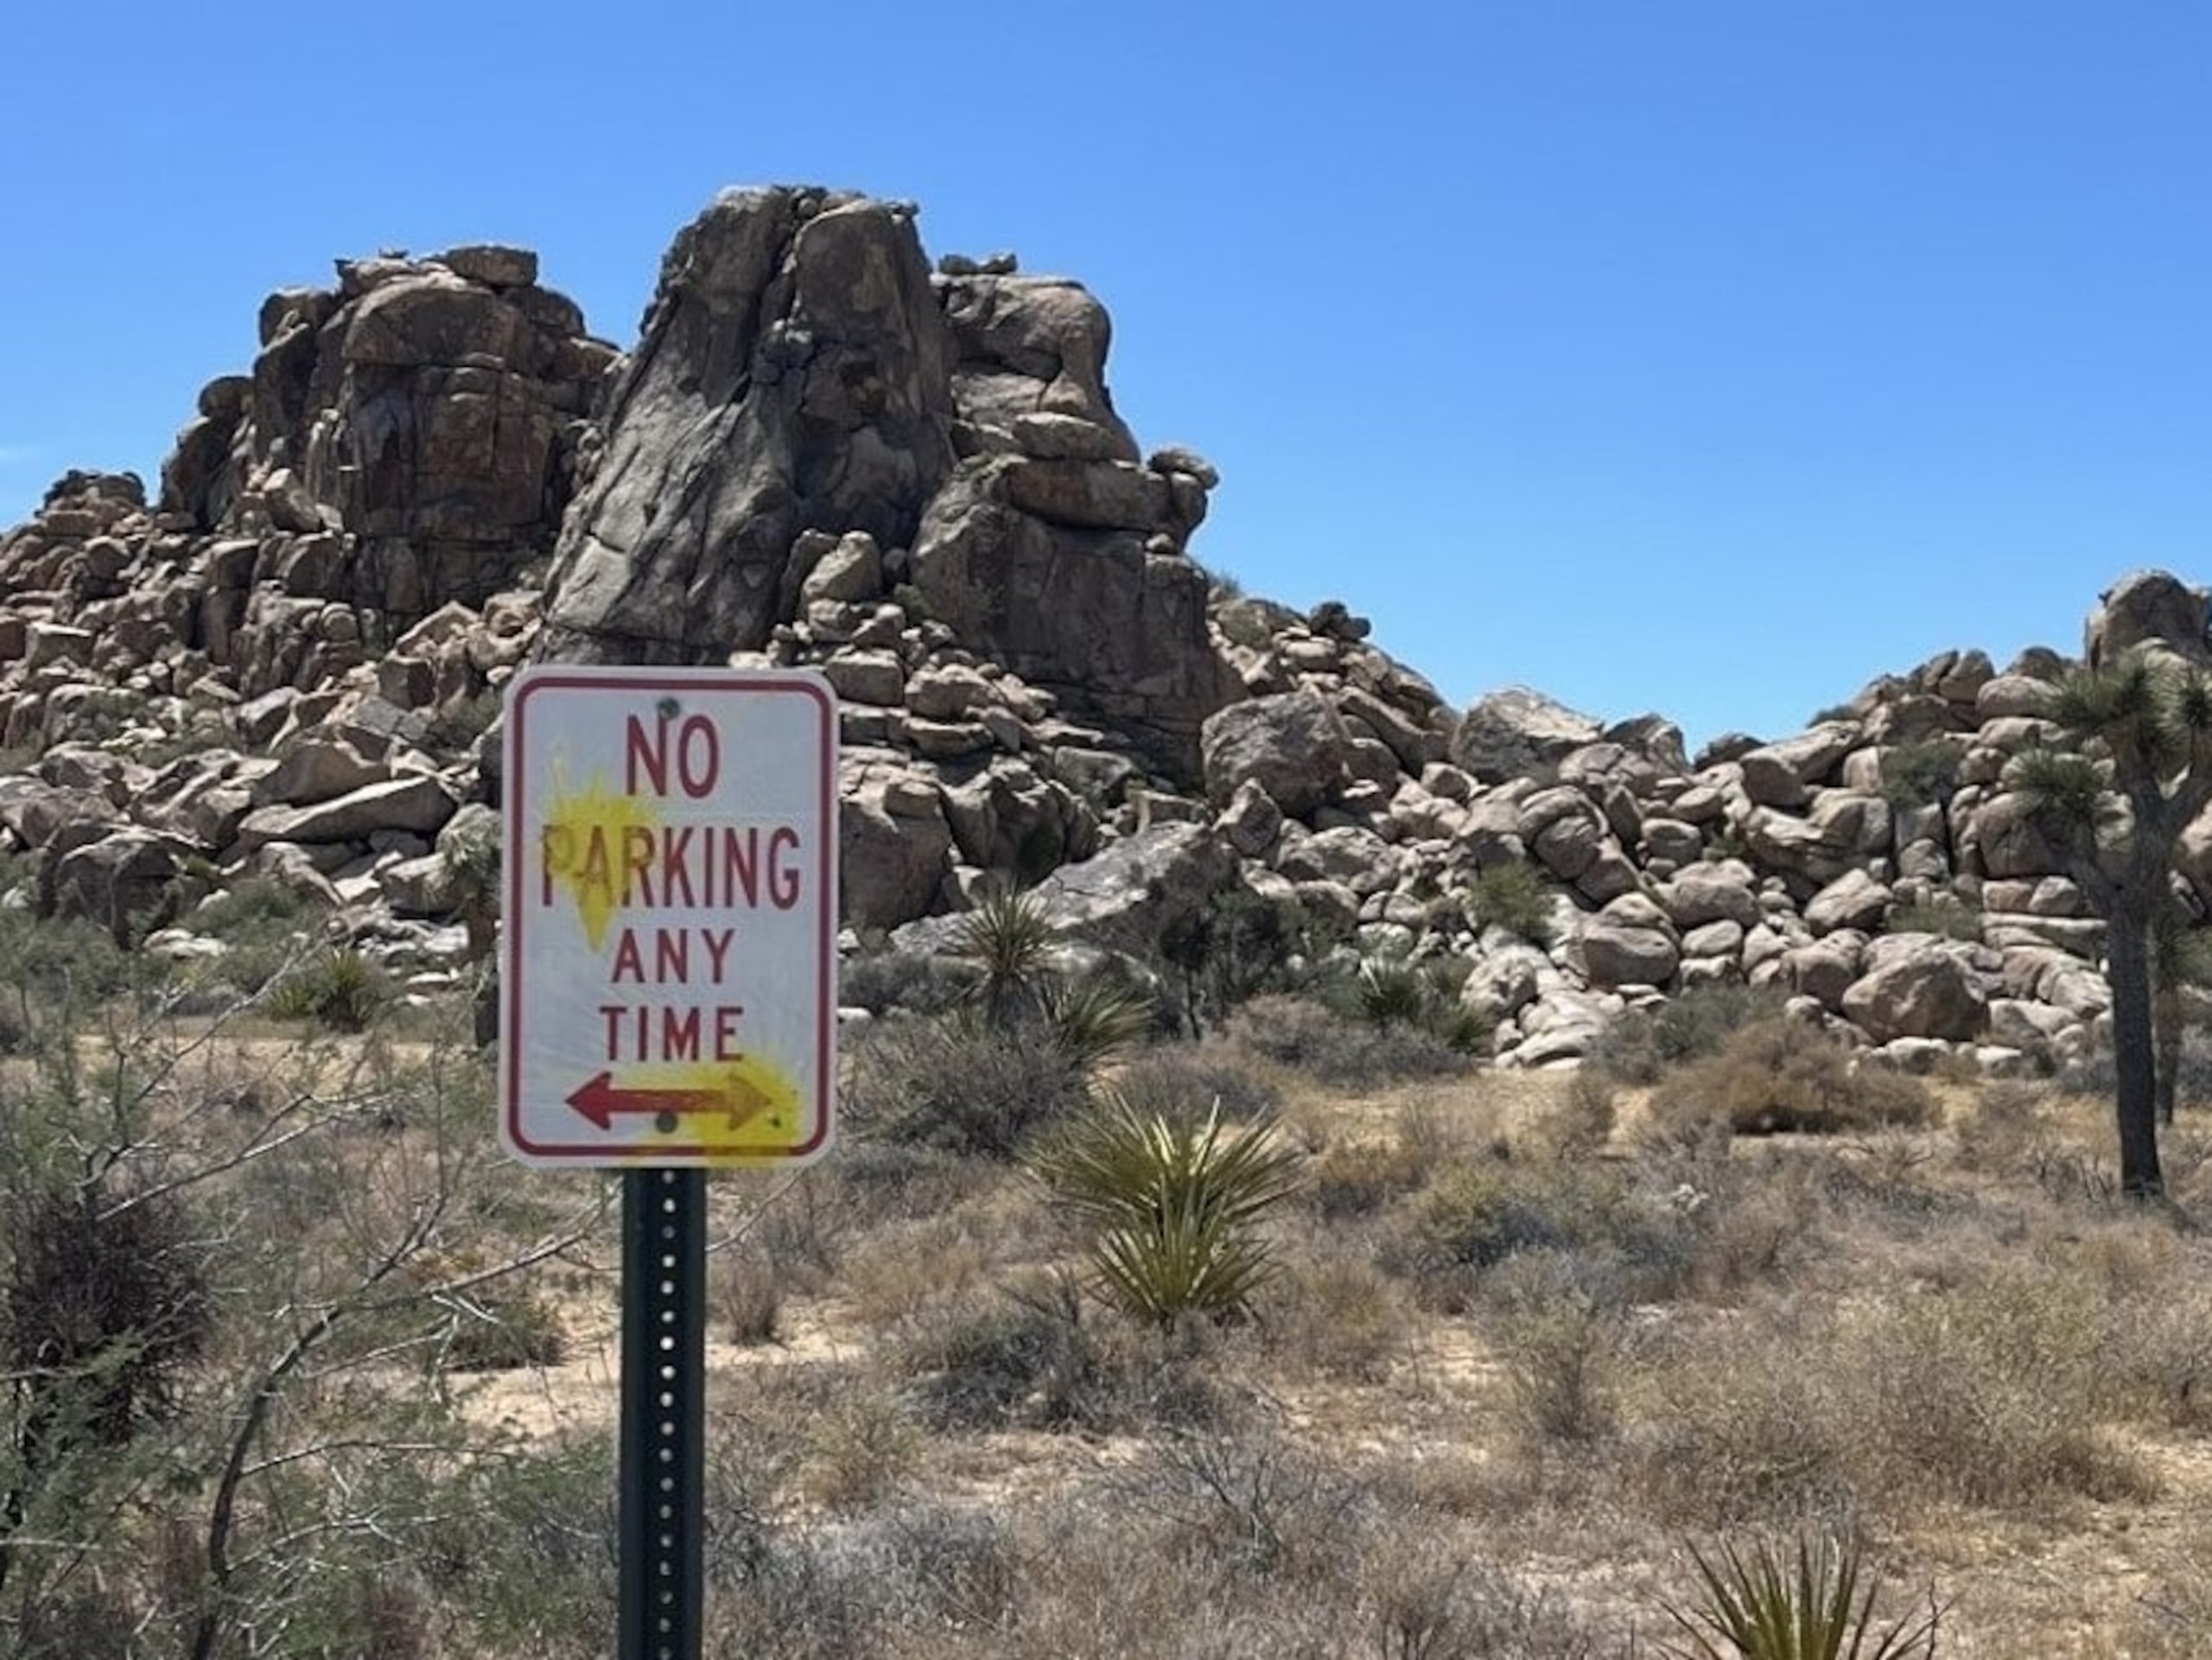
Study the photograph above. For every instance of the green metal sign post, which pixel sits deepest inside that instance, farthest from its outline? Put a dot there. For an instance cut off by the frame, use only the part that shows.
(663, 1421)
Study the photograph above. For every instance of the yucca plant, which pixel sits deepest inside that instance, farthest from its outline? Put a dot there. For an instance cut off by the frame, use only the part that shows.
(1176, 1206)
(340, 989)
(1761, 1606)
(1094, 1019)
(1391, 991)
(1008, 942)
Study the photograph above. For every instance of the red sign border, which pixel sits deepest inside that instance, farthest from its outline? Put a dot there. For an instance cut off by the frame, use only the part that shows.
(553, 676)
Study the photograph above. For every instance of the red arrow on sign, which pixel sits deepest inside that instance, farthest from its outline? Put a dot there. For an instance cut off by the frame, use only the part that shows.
(599, 1101)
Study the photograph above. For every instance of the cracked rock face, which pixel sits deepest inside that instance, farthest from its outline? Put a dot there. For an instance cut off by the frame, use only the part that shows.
(794, 374)
(801, 372)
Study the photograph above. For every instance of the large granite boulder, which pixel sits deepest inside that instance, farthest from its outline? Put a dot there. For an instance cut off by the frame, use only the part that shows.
(792, 375)
(1923, 992)
(802, 371)
(1294, 745)
(1518, 733)
(2149, 607)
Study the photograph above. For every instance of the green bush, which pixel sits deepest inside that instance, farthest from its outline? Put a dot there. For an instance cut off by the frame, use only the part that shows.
(882, 981)
(1516, 896)
(1473, 1219)
(107, 1306)
(1641, 1044)
(1921, 775)
(1026, 1357)
(962, 1086)
(1183, 1080)
(1781, 1075)
(505, 1336)
(265, 924)
(1234, 948)
(1176, 1206)
(340, 989)
(1337, 1049)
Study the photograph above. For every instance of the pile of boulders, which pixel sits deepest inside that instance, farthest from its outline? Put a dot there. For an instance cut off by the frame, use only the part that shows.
(825, 451)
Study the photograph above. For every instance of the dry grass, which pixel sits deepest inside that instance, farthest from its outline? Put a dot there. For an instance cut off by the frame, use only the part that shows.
(1518, 1357)
(1779, 1075)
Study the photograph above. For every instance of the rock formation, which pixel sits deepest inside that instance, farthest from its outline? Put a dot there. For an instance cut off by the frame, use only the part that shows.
(824, 451)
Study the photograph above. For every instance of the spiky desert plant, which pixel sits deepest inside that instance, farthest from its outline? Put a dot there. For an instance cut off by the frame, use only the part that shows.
(1008, 941)
(340, 989)
(2115, 817)
(1176, 1207)
(1094, 1019)
(2180, 956)
(1763, 1607)
(1391, 991)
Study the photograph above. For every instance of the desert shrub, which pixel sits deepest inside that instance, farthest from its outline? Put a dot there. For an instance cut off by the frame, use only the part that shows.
(2091, 1072)
(1922, 774)
(107, 1309)
(504, 1335)
(1235, 947)
(521, 1543)
(1944, 915)
(1516, 896)
(1024, 1356)
(1752, 1428)
(1183, 1080)
(1580, 1126)
(57, 964)
(867, 1183)
(2004, 1124)
(1641, 1044)
(749, 1293)
(1471, 1219)
(1431, 1603)
(1780, 1075)
(1337, 1317)
(859, 1449)
(341, 990)
(1559, 1337)
(1332, 1048)
(962, 1087)
(911, 1566)
(1360, 1178)
(1761, 1606)
(1994, 1393)
(1251, 1503)
(265, 924)
(880, 982)
(1176, 1206)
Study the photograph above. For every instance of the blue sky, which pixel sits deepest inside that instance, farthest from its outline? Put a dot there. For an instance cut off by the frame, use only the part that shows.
(1705, 357)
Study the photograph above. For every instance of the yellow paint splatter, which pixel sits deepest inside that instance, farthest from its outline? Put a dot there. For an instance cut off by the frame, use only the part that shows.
(756, 1111)
(582, 842)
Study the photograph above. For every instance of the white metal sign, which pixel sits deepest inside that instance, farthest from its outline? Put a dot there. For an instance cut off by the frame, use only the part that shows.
(668, 954)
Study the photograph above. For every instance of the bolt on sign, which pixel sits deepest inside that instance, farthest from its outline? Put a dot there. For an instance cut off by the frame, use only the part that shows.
(668, 954)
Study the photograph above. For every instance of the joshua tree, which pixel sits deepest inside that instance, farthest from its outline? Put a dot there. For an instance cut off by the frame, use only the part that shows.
(2114, 808)
(2180, 956)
